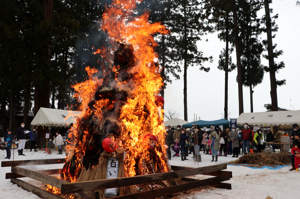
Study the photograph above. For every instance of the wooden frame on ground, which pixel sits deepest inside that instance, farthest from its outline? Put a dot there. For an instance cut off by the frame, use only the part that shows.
(44, 176)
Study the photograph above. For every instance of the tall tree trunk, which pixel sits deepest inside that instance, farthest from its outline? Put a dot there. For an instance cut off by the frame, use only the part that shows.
(42, 93)
(185, 68)
(11, 111)
(27, 102)
(238, 59)
(271, 58)
(226, 71)
(251, 97)
(162, 73)
(3, 115)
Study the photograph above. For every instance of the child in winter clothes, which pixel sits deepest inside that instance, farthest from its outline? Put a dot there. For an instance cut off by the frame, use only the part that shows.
(176, 147)
(296, 152)
(50, 146)
(8, 139)
(208, 146)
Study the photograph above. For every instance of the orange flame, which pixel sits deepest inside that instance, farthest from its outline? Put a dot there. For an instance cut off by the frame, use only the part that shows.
(139, 115)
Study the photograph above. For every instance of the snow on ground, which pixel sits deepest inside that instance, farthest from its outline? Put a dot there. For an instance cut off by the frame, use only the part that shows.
(246, 182)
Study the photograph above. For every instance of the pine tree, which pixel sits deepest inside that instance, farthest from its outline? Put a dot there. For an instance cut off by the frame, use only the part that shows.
(252, 47)
(188, 26)
(272, 53)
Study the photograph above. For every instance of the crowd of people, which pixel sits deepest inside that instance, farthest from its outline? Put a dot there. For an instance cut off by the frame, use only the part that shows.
(22, 136)
(218, 142)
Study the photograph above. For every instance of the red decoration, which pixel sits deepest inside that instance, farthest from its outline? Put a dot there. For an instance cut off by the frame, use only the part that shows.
(151, 139)
(159, 100)
(109, 145)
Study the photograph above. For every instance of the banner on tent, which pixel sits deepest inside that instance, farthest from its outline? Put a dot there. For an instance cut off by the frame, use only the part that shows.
(233, 123)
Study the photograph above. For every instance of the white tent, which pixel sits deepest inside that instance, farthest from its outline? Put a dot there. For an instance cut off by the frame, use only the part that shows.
(54, 117)
(175, 122)
(271, 118)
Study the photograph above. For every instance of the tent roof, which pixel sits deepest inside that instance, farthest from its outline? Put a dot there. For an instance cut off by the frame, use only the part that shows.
(54, 117)
(175, 122)
(203, 123)
(271, 118)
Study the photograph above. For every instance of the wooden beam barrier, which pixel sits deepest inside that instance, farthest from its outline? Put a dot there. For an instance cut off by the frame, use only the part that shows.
(217, 173)
(40, 192)
(173, 189)
(38, 176)
(32, 162)
(48, 172)
(121, 182)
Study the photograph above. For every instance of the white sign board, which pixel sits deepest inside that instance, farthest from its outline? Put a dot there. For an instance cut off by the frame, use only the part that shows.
(47, 135)
(112, 172)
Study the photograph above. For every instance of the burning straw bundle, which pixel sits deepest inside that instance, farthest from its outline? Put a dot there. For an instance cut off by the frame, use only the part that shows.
(264, 159)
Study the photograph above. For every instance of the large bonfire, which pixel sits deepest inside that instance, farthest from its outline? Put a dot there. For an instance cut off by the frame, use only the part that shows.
(122, 105)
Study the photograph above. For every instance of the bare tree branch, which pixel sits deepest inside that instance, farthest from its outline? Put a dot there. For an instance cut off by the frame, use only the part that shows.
(171, 114)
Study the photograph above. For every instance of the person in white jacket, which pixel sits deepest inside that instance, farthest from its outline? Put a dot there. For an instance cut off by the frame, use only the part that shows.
(59, 142)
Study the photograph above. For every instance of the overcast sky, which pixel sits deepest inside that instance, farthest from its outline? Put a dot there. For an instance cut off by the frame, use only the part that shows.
(206, 90)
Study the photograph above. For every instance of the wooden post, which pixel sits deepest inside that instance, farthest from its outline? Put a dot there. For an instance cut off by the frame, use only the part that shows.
(38, 176)
(174, 189)
(34, 189)
(32, 162)
(120, 182)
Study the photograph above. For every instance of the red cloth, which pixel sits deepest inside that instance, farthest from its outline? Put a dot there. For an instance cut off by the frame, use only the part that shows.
(247, 134)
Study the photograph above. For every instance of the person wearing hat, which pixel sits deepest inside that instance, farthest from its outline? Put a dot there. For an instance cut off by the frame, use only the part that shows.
(296, 131)
(8, 139)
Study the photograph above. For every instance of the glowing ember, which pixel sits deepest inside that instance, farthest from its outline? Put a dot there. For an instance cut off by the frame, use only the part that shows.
(122, 104)
(53, 189)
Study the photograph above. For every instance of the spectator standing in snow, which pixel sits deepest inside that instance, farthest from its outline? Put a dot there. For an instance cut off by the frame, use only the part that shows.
(215, 138)
(296, 152)
(247, 138)
(235, 142)
(21, 138)
(258, 140)
(33, 139)
(59, 142)
(183, 145)
(296, 142)
(223, 142)
(8, 140)
(169, 140)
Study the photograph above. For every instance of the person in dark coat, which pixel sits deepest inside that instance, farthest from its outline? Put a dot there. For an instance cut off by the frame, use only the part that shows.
(33, 139)
(8, 140)
(296, 131)
(21, 138)
(183, 145)
(169, 140)
(270, 136)
(223, 142)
